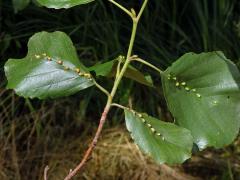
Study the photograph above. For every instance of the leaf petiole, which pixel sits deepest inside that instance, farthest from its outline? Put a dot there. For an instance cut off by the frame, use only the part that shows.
(101, 88)
(119, 106)
(147, 64)
(122, 8)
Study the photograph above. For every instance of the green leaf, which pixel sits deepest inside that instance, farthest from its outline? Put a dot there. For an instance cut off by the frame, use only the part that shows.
(19, 5)
(202, 93)
(109, 69)
(58, 4)
(164, 142)
(136, 75)
(35, 2)
(50, 69)
(103, 69)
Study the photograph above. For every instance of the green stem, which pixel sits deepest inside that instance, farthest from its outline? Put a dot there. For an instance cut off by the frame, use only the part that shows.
(118, 68)
(121, 7)
(142, 9)
(118, 105)
(148, 64)
(124, 68)
(114, 89)
(101, 88)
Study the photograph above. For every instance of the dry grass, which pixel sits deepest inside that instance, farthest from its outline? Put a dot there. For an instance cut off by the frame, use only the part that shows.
(32, 138)
(117, 157)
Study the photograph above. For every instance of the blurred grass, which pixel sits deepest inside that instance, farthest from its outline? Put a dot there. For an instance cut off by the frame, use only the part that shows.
(36, 133)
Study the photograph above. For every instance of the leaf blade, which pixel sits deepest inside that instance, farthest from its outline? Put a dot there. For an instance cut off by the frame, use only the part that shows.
(50, 69)
(109, 69)
(165, 142)
(103, 69)
(58, 4)
(202, 105)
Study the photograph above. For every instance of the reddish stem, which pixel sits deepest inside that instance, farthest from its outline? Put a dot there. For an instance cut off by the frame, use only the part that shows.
(45, 172)
(92, 145)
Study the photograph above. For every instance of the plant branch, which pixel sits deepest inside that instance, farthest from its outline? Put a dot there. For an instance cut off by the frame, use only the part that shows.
(118, 68)
(93, 143)
(147, 64)
(45, 172)
(121, 7)
(142, 9)
(120, 61)
(101, 88)
(124, 68)
(118, 105)
(113, 92)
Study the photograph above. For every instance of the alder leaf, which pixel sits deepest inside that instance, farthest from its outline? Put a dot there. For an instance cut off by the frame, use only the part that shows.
(202, 93)
(58, 4)
(109, 69)
(51, 68)
(164, 142)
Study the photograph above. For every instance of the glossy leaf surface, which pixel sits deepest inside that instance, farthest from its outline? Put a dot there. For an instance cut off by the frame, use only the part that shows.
(58, 4)
(202, 93)
(164, 142)
(51, 68)
(103, 69)
(109, 69)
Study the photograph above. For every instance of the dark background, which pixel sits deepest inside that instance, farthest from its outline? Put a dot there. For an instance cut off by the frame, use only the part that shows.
(31, 131)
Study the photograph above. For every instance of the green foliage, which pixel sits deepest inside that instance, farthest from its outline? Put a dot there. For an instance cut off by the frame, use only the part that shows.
(58, 4)
(163, 141)
(202, 92)
(19, 5)
(136, 75)
(103, 69)
(50, 69)
(109, 69)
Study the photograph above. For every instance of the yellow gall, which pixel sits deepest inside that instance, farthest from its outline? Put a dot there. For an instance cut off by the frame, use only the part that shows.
(66, 68)
(153, 130)
(198, 95)
(77, 70)
(169, 76)
(60, 62)
(87, 75)
(37, 56)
